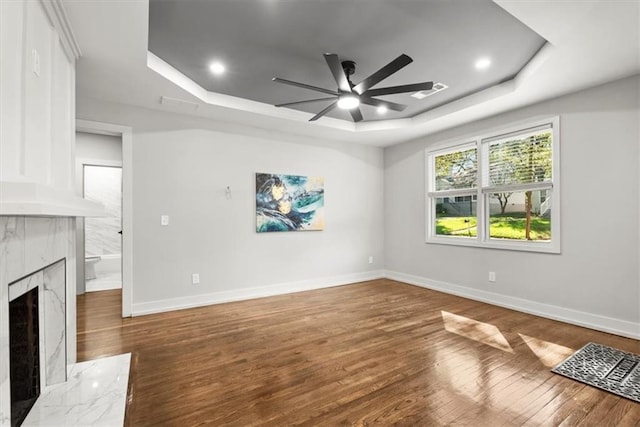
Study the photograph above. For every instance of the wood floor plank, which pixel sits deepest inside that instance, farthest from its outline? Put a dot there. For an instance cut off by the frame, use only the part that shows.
(602, 413)
(373, 353)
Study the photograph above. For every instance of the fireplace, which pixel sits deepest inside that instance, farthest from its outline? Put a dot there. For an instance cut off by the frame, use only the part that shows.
(24, 343)
(36, 338)
(38, 249)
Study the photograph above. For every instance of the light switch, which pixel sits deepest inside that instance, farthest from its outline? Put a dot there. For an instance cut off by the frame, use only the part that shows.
(36, 62)
(164, 220)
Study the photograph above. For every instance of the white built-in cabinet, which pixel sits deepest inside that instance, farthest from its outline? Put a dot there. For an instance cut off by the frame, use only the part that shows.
(38, 90)
(37, 110)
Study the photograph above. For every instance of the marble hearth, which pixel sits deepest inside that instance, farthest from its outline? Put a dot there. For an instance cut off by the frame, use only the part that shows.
(39, 252)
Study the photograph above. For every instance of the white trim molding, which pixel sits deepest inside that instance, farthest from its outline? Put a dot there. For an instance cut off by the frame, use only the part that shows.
(58, 18)
(592, 321)
(220, 297)
(33, 199)
(580, 318)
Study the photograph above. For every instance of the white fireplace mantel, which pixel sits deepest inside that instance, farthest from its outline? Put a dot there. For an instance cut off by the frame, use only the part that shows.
(33, 199)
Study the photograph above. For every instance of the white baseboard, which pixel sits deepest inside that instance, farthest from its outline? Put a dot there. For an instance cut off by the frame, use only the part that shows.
(593, 321)
(575, 317)
(160, 306)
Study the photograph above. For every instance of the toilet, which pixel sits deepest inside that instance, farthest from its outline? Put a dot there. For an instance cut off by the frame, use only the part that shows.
(90, 266)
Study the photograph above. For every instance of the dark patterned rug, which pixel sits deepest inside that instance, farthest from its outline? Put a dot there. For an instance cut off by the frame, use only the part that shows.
(606, 368)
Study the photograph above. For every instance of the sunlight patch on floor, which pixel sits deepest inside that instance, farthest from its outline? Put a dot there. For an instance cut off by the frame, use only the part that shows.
(550, 354)
(478, 331)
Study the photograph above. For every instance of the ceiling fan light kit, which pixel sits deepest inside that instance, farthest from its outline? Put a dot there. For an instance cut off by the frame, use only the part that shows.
(350, 96)
(348, 102)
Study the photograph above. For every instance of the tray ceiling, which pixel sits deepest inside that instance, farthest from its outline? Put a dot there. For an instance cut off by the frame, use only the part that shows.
(259, 40)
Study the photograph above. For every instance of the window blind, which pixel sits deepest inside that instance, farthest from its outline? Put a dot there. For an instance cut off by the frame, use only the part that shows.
(519, 160)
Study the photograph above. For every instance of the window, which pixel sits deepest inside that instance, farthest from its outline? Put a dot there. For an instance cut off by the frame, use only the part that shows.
(498, 190)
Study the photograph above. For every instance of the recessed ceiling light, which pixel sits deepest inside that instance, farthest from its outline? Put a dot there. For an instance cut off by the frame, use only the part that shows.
(217, 68)
(482, 63)
(382, 109)
(348, 102)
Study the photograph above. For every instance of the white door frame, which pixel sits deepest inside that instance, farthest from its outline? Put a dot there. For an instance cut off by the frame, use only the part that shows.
(126, 133)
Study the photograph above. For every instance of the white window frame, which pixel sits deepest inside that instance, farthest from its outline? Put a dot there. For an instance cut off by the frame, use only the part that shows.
(483, 190)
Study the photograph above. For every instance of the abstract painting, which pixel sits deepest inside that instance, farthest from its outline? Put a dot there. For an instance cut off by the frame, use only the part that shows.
(289, 203)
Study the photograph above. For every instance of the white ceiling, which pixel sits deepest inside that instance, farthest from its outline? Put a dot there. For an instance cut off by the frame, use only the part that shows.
(589, 43)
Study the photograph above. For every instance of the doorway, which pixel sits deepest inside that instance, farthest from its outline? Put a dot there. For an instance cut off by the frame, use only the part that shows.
(125, 136)
(103, 235)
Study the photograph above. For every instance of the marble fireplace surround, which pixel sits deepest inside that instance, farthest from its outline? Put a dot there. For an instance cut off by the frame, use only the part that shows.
(50, 282)
(39, 251)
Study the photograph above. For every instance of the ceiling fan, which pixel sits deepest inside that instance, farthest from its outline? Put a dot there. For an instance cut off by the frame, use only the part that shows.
(349, 95)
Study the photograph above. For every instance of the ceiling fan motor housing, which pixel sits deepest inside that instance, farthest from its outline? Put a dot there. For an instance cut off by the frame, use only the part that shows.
(349, 68)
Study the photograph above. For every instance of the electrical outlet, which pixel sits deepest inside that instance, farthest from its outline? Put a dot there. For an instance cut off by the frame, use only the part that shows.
(195, 278)
(370, 260)
(492, 276)
(164, 220)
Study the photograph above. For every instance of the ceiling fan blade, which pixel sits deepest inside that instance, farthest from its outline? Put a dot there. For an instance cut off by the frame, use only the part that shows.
(356, 114)
(287, 104)
(377, 103)
(323, 112)
(416, 87)
(384, 72)
(338, 73)
(305, 86)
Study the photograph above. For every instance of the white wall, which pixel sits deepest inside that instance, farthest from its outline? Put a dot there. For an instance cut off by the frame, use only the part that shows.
(99, 147)
(181, 167)
(595, 280)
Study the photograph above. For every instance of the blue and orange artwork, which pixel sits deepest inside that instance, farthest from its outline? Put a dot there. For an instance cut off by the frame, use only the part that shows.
(289, 203)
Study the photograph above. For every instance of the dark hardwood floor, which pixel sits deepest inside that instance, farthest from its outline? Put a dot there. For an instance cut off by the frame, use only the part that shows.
(373, 353)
